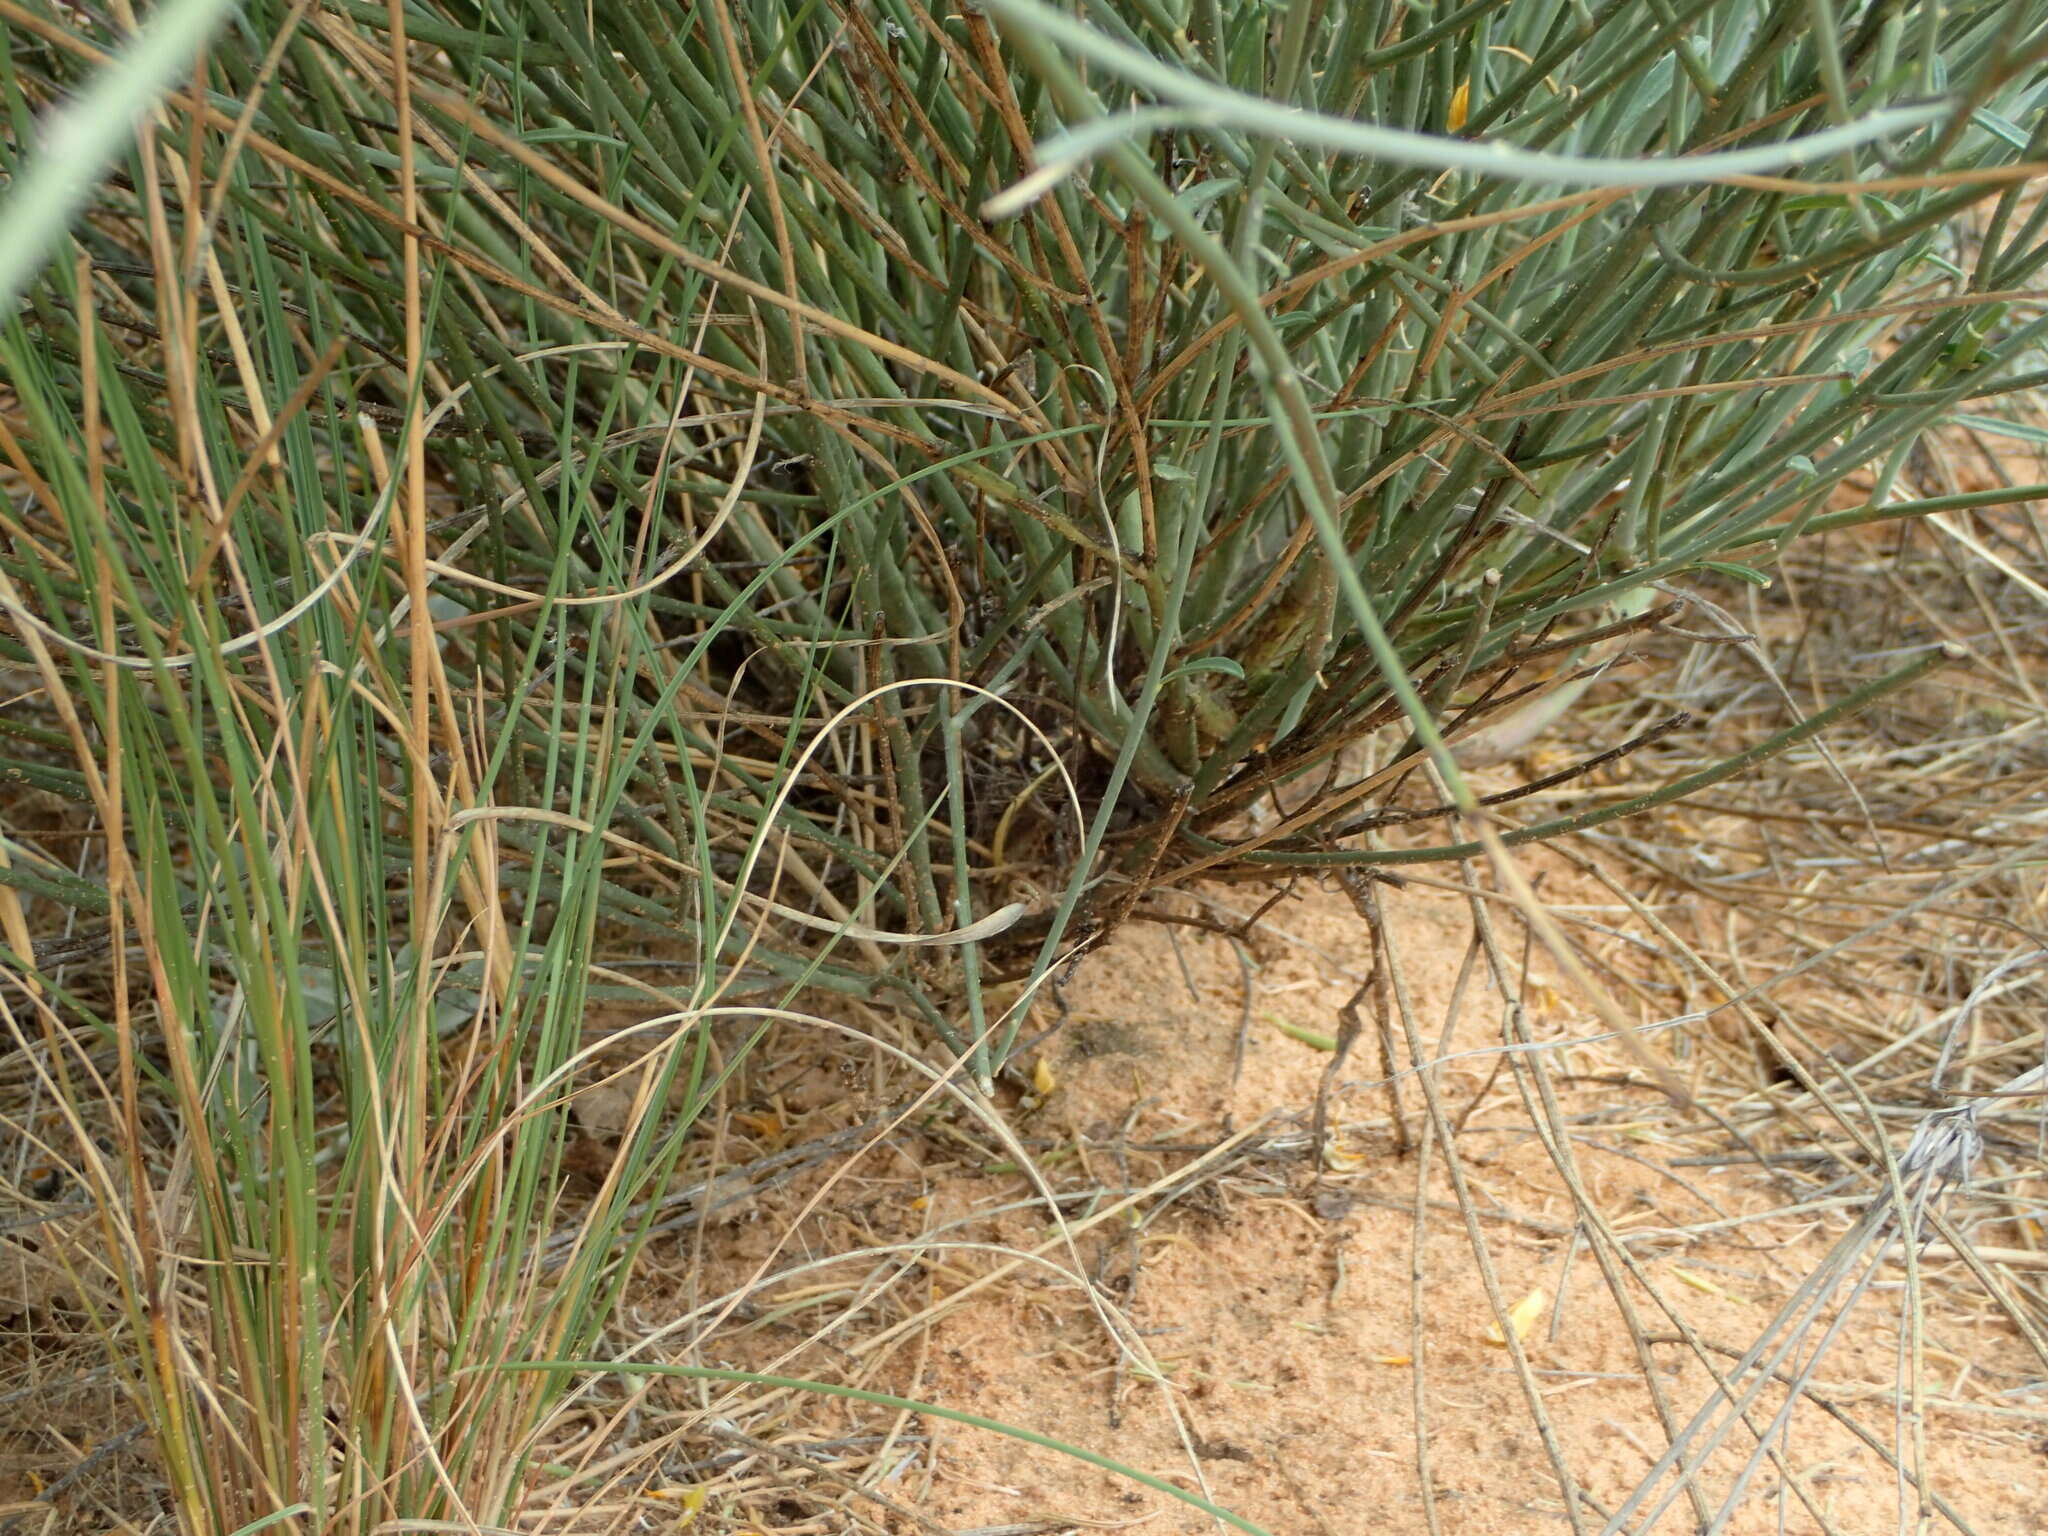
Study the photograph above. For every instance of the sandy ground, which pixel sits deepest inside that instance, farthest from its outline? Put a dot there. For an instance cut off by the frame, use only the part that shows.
(1268, 1333)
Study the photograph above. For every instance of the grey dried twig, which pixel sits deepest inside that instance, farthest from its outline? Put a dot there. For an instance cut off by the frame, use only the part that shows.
(1940, 1158)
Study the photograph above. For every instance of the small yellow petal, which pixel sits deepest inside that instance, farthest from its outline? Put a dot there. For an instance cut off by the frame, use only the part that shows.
(1042, 1080)
(1702, 1283)
(1523, 1315)
(1461, 106)
(691, 1500)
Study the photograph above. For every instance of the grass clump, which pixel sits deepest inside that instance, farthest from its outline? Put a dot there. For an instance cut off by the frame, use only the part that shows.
(502, 494)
